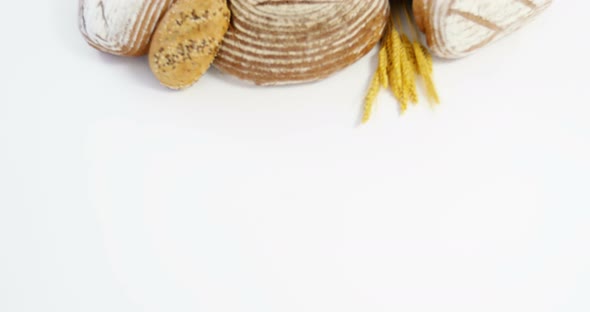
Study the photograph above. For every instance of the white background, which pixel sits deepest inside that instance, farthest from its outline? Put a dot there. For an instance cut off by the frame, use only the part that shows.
(118, 195)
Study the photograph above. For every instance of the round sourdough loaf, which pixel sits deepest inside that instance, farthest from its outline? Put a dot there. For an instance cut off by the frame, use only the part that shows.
(120, 27)
(273, 42)
(456, 28)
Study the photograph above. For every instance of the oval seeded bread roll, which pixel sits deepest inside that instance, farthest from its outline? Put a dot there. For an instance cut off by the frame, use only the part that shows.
(187, 40)
(292, 41)
(120, 27)
(456, 28)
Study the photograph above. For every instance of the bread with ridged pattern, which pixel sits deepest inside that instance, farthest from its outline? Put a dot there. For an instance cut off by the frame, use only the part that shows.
(456, 28)
(274, 42)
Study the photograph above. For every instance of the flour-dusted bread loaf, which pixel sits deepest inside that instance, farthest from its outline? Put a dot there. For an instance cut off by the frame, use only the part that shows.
(120, 27)
(187, 40)
(456, 28)
(291, 41)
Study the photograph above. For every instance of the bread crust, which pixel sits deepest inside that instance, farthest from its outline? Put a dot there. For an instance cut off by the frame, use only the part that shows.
(292, 41)
(457, 28)
(120, 27)
(187, 40)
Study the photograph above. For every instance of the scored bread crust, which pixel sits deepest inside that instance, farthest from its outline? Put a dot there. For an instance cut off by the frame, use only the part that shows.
(456, 28)
(274, 42)
(120, 27)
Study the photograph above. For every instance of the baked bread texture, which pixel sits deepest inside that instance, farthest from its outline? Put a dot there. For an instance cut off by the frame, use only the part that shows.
(187, 40)
(456, 28)
(274, 42)
(120, 27)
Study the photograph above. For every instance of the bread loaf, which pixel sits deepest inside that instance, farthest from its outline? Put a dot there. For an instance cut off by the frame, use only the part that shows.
(187, 40)
(455, 28)
(120, 27)
(291, 41)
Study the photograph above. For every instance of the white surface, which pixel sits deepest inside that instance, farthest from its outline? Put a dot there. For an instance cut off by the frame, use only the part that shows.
(117, 195)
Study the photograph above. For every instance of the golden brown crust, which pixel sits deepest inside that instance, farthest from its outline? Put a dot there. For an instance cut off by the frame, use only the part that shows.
(187, 40)
(286, 41)
(419, 8)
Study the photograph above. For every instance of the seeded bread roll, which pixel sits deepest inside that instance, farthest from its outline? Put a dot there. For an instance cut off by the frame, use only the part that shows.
(187, 40)
(274, 42)
(120, 27)
(456, 28)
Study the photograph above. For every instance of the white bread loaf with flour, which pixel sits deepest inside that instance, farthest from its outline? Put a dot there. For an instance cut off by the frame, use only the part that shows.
(120, 27)
(273, 42)
(456, 28)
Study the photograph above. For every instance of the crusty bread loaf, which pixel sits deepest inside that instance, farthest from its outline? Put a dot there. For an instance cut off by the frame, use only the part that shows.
(291, 41)
(455, 28)
(120, 27)
(187, 40)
